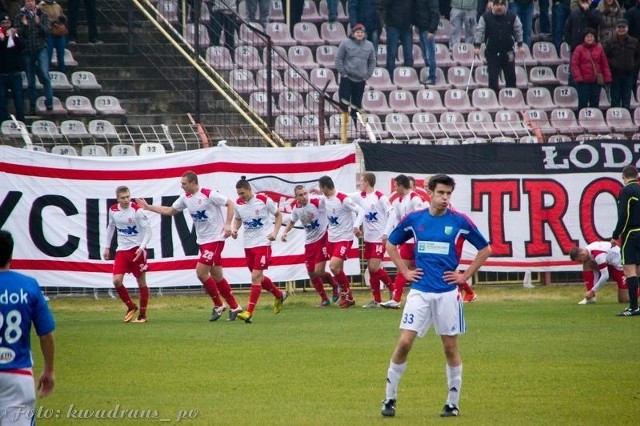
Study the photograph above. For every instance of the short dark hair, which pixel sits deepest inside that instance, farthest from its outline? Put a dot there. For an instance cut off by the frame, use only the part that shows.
(403, 181)
(574, 252)
(443, 179)
(370, 178)
(121, 189)
(243, 183)
(326, 182)
(630, 172)
(191, 176)
(6, 247)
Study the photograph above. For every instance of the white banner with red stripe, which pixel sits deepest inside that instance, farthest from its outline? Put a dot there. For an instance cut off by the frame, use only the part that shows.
(56, 208)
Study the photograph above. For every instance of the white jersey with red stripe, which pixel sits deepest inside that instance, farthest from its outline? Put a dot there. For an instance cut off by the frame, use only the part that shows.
(205, 208)
(131, 226)
(313, 217)
(377, 208)
(603, 254)
(340, 209)
(402, 206)
(257, 216)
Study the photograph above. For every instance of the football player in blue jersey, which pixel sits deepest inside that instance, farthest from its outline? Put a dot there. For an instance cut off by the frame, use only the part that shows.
(21, 304)
(433, 298)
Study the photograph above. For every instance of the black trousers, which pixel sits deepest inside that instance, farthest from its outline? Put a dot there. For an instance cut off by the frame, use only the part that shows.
(502, 61)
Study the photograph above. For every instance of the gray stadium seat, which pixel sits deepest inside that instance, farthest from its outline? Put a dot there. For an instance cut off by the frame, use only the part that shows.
(93, 151)
(64, 150)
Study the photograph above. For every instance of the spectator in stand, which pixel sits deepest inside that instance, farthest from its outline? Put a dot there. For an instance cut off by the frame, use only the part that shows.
(444, 6)
(623, 55)
(426, 17)
(399, 16)
(364, 12)
(500, 29)
(463, 14)
(264, 6)
(523, 9)
(332, 8)
(611, 13)
(580, 19)
(33, 28)
(543, 18)
(92, 26)
(560, 12)
(57, 42)
(297, 6)
(223, 19)
(10, 68)
(632, 15)
(587, 61)
(355, 62)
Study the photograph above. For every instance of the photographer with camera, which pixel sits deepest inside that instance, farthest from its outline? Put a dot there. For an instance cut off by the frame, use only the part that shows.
(10, 68)
(57, 33)
(33, 29)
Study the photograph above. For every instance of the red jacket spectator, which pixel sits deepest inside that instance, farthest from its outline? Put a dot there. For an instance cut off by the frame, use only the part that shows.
(582, 67)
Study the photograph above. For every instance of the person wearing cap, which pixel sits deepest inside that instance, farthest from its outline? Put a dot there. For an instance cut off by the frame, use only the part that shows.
(587, 61)
(399, 15)
(500, 30)
(33, 29)
(10, 67)
(355, 62)
(426, 16)
(623, 54)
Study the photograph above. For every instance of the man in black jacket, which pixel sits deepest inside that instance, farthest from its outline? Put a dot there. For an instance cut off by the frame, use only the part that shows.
(623, 54)
(500, 30)
(426, 16)
(398, 15)
(10, 67)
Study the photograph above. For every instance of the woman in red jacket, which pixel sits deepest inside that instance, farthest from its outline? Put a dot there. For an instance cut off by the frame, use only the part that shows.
(587, 62)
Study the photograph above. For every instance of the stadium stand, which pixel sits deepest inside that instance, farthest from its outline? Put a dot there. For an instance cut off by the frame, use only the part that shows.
(93, 151)
(484, 99)
(123, 150)
(79, 105)
(45, 130)
(402, 101)
(73, 129)
(151, 148)
(64, 150)
(85, 80)
(592, 120)
(481, 124)
(108, 106)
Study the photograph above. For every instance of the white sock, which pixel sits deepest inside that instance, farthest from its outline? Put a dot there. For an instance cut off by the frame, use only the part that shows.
(394, 374)
(454, 381)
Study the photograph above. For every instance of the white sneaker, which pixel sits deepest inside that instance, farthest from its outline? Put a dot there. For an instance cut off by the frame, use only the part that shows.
(391, 304)
(371, 304)
(586, 301)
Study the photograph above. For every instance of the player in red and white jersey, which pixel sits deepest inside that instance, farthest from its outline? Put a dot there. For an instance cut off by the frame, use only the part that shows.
(131, 225)
(206, 208)
(602, 260)
(311, 213)
(406, 202)
(376, 208)
(254, 214)
(342, 228)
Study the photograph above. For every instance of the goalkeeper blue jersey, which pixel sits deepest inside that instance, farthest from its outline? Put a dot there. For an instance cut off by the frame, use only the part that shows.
(21, 303)
(438, 244)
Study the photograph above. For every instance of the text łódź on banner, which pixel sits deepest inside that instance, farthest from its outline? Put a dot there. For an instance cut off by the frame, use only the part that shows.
(534, 202)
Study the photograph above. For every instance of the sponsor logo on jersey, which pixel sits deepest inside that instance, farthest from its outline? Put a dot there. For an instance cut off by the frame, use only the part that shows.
(7, 355)
(14, 298)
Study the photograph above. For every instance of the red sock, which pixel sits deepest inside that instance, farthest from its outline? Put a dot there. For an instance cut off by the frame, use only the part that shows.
(225, 290)
(268, 285)
(587, 276)
(398, 287)
(374, 282)
(330, 279)
(318, 284)
(385, 278)
(343, 281)
(212, 290)
(254, 295)
(124, 296)
(144, 300)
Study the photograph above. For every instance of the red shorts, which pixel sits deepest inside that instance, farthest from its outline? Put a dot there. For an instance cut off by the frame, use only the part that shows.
(124, 263)
(406, 251)
(258, 257)
(211, 253)
(339, 249)
(315, 253)
(617, 276)
(373, 251)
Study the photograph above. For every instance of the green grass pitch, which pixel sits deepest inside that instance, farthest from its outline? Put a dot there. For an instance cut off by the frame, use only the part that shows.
(531, 357)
